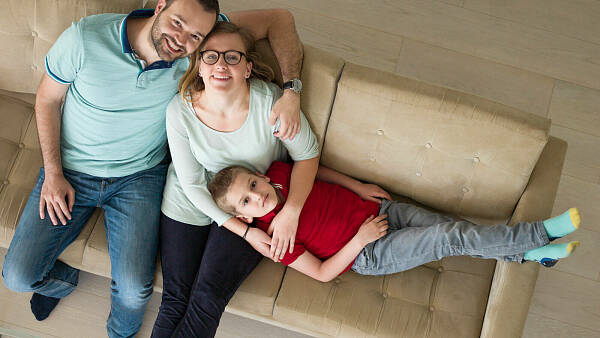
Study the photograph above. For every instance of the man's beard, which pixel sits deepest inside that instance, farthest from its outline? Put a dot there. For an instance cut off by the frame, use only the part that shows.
(157, 38)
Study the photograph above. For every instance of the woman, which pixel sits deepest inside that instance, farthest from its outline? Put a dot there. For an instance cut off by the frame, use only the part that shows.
(221, 119)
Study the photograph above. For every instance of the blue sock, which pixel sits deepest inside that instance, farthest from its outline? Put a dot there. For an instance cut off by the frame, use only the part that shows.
(549, 254)
(41, 305)
(563, 224)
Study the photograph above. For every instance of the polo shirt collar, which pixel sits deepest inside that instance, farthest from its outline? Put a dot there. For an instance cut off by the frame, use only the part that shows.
(126, 47)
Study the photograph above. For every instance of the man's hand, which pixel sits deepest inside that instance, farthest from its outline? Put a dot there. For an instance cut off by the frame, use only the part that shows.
(371, 192)
(260, 241)
(372, 229)
(287, 109)
(283, 229)
(58, 197)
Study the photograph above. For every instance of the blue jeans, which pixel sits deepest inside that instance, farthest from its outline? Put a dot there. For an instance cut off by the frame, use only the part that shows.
(417, 236)
(131, 207)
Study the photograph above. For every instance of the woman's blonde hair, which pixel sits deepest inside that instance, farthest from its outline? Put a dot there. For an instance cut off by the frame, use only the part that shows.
(191, 81)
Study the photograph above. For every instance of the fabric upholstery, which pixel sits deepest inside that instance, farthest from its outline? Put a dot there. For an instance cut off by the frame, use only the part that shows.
(418, 140)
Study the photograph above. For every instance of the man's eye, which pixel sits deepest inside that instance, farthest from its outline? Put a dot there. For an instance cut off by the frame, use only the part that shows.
(195, 37)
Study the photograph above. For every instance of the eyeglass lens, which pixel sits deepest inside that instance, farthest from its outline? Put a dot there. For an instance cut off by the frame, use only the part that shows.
(232, 57)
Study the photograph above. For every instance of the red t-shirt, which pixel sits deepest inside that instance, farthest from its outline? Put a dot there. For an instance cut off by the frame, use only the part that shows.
(331, 216)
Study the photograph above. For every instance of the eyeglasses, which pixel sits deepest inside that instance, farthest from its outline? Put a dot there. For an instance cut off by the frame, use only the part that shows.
(231, 57)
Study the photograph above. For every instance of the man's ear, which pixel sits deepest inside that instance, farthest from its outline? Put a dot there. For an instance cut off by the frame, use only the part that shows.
(245, 219)
(160, 6)
(266, 178)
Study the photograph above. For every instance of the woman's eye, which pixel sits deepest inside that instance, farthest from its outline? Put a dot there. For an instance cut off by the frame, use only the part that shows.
(177, 23)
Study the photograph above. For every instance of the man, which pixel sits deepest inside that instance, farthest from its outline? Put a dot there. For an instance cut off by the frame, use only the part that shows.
(100, 112)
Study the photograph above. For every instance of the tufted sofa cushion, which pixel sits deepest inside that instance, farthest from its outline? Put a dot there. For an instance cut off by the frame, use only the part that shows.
(459, 153)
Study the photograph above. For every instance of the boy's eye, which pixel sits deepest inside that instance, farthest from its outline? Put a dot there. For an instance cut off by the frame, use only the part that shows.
(253, 184)
(245, 201)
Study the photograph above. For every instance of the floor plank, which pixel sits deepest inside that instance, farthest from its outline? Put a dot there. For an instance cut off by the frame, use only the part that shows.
(538, 326)
(568, 298)
(574, 192)
(575, 18)
(576, 107)
(515, 87)
(584, 261)
(582, 160)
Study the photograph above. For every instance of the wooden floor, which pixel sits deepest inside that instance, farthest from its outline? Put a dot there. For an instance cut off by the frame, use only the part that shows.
(541, 56)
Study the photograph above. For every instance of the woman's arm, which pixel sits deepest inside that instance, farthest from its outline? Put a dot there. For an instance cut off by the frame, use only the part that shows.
(285, 224)
(372, 229)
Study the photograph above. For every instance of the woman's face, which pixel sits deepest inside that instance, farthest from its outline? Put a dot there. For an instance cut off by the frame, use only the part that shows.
(221, 75)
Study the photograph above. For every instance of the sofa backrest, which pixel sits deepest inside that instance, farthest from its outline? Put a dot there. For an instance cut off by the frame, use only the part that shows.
(452, 151)
(28, 28)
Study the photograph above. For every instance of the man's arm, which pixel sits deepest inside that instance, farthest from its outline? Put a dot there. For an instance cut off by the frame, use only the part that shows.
(372, 229)
(278, 26)
(57, 196)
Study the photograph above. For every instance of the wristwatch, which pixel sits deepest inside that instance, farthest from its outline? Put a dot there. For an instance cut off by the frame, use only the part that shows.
(293, 84)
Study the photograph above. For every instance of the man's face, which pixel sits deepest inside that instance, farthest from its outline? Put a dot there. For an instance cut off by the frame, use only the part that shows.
(179, 29)
(252, 195)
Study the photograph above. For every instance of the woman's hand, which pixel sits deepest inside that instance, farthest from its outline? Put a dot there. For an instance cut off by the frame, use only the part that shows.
(287, 109)
(260, 241)
(372, 229)
(371, 192)
(283, 231)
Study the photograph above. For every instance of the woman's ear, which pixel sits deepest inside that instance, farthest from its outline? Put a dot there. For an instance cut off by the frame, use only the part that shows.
(245, 219)
(248, 69)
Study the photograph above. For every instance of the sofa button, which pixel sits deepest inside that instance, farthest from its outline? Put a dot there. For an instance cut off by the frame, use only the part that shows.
(34, 67)
(465, 190)
(21, 146)
(337, 281)
(476, 159)
(440, 269)
(428, 145)
(385, 295)
(418, 174)
(380, 132)
(431, 309)
(34, 34)
(372, 159)
(6, 182)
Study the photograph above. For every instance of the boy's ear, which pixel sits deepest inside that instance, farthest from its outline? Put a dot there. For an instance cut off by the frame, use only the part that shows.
(266, 178)
(245, 219)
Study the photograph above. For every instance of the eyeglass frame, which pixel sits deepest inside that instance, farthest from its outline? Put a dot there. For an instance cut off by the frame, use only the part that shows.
(219, 56)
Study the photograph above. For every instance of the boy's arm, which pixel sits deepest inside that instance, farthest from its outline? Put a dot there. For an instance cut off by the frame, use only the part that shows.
(369, 192)
(371, 230)
(278, 26)
(324, 271)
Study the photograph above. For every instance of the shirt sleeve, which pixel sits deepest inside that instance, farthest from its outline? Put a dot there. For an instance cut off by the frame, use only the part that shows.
(304, 146)
(190, 173)
(65, 57)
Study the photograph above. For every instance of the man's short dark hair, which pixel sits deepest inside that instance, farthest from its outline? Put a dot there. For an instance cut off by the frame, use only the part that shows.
(208, 5)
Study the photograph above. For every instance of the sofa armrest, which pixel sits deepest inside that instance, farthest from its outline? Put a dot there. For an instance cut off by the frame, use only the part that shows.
(513, 284)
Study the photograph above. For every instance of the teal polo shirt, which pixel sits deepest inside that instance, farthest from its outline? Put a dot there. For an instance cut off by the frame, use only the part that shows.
(113, 117)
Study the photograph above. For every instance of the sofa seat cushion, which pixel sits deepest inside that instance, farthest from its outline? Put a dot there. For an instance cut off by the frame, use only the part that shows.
(442, 299)
(256, 295)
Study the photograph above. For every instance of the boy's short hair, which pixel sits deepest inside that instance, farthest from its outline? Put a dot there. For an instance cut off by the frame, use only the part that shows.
(219, 186)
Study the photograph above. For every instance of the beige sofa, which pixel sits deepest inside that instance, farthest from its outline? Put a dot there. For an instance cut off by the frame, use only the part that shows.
(447, 150)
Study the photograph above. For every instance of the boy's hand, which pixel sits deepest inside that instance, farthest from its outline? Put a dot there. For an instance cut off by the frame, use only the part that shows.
(371, 192)
(260, 241)
(283, 230)
(372, 229)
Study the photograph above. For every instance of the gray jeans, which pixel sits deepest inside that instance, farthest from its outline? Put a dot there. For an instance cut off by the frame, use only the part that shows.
(417, 236)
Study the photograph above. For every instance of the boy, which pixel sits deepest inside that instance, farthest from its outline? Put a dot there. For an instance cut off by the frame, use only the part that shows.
(344, 225)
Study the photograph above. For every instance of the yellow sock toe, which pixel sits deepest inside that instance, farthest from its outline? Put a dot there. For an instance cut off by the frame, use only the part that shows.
(575, 218)
(572, 246)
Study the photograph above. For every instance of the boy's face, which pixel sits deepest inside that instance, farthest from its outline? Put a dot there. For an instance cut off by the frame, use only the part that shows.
(252, 195)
